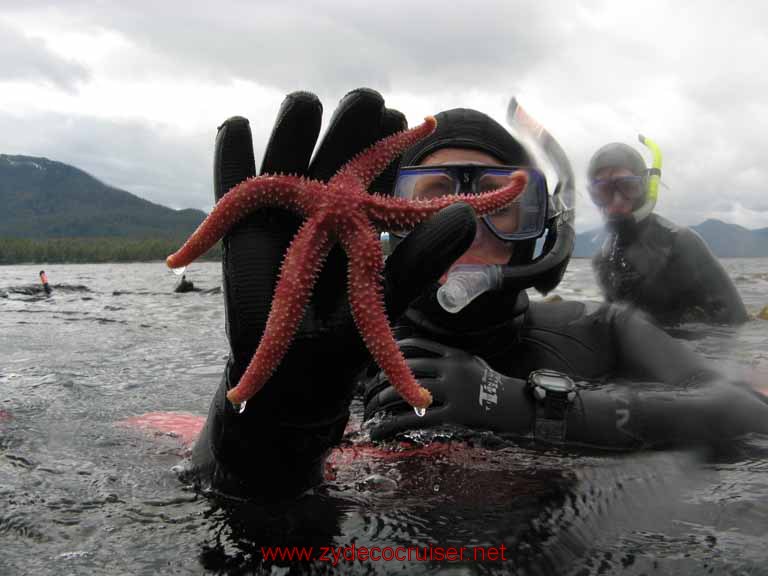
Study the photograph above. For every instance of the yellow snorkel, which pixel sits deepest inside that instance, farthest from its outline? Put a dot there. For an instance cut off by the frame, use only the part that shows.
(654, 178)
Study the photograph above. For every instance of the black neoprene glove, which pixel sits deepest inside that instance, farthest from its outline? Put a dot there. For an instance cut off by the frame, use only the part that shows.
(465, 391)
(276, 446)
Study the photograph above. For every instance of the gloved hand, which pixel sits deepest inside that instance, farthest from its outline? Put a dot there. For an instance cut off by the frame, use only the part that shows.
(466, 391)
(302, 410)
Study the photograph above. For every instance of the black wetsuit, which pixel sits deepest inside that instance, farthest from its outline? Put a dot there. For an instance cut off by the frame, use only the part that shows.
(668, 395)
(277, 451)
(667, 271)
(184, 285)
(587, 341)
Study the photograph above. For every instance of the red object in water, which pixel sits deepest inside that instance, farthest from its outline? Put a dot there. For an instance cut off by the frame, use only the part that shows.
(186, 427)
(182, 425)
(343, 455)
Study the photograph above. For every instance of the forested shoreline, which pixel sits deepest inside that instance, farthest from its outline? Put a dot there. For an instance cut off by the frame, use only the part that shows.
(91, 250)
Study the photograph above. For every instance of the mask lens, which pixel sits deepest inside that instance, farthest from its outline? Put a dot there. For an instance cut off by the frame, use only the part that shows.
(524, 217)
(424, 184)
(506, 220)
(433, 186)
(493, 179)
(631, 187)
(601, 191)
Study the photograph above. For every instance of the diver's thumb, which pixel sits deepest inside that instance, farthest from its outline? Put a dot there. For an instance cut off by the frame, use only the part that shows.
(425, 254)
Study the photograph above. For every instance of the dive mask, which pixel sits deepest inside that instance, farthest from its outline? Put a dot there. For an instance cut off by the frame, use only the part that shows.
(630, 187)
(525, 218)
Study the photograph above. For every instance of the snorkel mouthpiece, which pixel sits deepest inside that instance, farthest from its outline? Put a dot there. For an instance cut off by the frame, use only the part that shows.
(465, 283)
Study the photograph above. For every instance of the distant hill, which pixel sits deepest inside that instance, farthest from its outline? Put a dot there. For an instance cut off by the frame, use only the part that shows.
(725, 240)
(41, 199)
(731, 241)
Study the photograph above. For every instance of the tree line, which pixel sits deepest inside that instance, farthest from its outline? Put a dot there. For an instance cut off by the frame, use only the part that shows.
(81, 250)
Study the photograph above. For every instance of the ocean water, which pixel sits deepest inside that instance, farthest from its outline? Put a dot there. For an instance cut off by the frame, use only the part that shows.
(82, 492)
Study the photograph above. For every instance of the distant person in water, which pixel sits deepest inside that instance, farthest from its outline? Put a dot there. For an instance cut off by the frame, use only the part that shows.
(647, 261)
(44, 281)
(184, 285)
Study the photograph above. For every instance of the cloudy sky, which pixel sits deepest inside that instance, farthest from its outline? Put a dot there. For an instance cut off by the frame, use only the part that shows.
(132, 92)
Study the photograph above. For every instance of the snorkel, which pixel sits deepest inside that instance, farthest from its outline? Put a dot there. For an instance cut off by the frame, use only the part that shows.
(467, 282)
(654, 178)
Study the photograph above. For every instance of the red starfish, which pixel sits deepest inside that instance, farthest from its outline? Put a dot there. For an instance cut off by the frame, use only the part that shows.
(340, 210)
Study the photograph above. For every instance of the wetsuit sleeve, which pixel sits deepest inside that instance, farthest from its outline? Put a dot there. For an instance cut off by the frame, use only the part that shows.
(613, 415)
(634, 415)
(711, 288)
(645, 351)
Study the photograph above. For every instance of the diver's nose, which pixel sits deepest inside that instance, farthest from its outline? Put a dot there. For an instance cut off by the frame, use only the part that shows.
(618, 206)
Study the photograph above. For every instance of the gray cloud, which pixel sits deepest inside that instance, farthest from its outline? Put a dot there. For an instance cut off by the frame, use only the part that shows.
(687, 76)
(28, 59)
(331, 46)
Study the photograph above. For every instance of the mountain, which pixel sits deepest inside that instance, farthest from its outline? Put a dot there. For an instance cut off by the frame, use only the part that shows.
(725, 240)
(731, 241)
(41, 198)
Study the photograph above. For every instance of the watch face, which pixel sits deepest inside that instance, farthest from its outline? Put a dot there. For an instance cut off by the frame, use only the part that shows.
(554, 383)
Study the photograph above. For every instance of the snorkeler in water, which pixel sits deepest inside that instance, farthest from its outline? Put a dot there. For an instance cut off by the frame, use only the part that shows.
(647, 261)
(44, 282)
(184, 285)
(542, 372)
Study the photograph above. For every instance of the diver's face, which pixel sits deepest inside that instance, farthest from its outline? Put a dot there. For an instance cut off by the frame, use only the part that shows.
(619, 205)
(486, 248)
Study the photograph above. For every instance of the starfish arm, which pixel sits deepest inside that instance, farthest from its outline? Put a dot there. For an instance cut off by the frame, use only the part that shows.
(302, 264)
(373, 160)
(401, 214)
(365, 297)
(279, 191)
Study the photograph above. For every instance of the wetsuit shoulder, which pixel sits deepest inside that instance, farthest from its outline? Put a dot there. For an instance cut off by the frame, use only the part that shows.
(560, 313)
(712, 292)
(690, 240)
(660, 223)
(593, 341)
(572, 337)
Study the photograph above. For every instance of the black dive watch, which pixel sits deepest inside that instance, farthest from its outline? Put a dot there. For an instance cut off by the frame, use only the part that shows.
(553, 393)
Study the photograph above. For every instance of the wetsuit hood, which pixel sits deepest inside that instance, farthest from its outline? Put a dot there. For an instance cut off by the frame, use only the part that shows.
(619, 155)
(616, 155)
(466, 128)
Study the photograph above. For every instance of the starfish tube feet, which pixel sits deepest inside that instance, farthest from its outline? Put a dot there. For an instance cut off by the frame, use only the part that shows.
(302, 264)
(339, 210)
(240, 201)
(367, 303)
